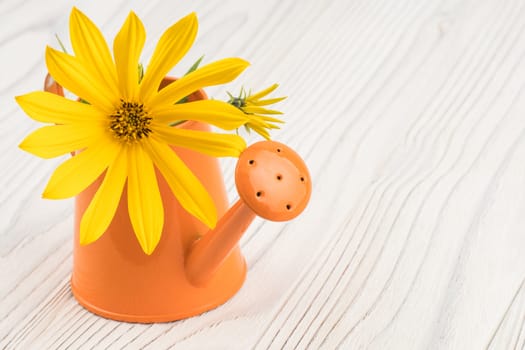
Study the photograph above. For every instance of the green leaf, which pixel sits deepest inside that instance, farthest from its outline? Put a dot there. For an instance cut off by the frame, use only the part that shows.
(195, 65)
(60, 43)
(192, 69)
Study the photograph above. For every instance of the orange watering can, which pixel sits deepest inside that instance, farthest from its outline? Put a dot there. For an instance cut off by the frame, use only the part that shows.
(193, 269)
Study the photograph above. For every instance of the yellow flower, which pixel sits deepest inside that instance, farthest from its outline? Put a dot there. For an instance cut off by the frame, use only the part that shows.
(253, 107)
(124, 130)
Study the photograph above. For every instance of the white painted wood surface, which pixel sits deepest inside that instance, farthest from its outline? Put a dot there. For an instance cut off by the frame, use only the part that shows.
(411, 117)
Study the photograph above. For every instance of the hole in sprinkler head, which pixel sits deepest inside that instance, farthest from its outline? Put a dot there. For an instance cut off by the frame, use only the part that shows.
(302, 179)
(251, 161)
(258, 194)
(278, 150)
(288, 206)
(279, 177)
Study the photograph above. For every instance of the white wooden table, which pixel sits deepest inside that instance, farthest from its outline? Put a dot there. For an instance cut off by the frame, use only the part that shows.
(411, 117)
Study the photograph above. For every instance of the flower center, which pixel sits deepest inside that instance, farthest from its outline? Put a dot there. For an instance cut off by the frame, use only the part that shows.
(130, 122)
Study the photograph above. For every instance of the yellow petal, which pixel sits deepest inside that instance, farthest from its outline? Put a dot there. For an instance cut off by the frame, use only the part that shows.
(258, 129)
(218, 113)
(216, 145)
(172, 46)
(188, 190)
(101, 210)
(215, 73)
(50, 108)
(259, 110)
(266, 119)
(266, 102)
(261, 121)
(144, 202)
(127, 47)
(80, 80)
(91, 48)
(56, 140)
(264, 92)
(77, 173)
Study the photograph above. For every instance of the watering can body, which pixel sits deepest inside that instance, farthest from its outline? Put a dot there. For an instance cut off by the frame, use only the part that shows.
(113, 277)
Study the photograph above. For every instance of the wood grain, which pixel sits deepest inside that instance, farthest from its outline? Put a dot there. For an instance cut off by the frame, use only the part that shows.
(410, 115)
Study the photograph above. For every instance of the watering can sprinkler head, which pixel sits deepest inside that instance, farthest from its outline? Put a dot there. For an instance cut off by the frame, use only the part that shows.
(274, 183)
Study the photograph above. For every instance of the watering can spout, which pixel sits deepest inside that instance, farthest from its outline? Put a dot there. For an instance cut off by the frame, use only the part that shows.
(209, 252)
(273, 182)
